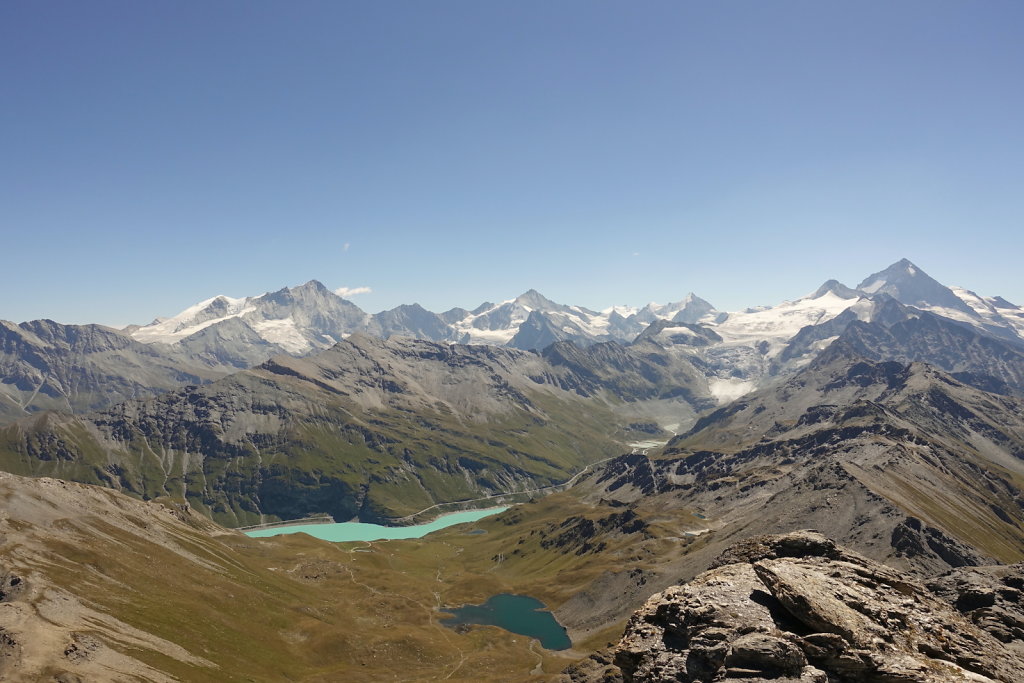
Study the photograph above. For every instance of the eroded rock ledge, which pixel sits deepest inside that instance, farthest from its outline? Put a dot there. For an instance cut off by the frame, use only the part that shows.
(797, 607)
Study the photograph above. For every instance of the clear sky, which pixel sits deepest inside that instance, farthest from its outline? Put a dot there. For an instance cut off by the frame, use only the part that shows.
(153, 154)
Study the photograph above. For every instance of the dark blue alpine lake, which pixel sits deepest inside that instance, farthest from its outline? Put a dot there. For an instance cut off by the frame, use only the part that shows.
(516, 613)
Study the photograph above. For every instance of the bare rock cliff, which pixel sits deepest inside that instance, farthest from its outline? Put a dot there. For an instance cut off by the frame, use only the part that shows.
(797, 607)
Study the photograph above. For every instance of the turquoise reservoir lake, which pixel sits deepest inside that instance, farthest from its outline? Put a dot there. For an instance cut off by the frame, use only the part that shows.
(516, 613)
(358, 531)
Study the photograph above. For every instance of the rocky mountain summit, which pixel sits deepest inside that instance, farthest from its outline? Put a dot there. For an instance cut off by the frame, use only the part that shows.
(798, 608)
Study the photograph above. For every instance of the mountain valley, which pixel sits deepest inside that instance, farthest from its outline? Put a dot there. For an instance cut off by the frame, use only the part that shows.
(640, 448)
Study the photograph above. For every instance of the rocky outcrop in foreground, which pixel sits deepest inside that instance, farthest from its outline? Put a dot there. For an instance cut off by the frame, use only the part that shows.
(797, 607)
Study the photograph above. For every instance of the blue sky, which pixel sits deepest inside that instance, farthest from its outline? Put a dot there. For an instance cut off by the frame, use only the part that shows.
(449, 152)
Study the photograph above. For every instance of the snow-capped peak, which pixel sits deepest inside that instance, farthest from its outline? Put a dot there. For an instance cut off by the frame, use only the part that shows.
(623, 310)
(836, 287)
(191, 320)
(295, 319)
(911, 286)
(535, 301)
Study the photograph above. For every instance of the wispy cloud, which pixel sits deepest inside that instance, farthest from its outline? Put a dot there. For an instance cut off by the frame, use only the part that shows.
(346, 292)
(345, 246)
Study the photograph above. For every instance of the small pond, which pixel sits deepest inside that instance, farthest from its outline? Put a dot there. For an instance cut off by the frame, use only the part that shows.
(516, 613)
(357, 531)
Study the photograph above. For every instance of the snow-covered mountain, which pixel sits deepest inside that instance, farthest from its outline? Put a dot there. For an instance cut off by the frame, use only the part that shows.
(911, 286)
(745, 350)
(531, 321)
(739, 351)
(994, 311)
(304, 319)
(296, 321)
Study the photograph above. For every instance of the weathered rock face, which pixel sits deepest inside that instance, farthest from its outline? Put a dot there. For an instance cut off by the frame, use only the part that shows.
(991, 597)
(796, 607)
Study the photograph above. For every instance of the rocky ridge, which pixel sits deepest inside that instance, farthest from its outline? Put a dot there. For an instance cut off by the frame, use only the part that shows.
(798, 608)
(886, 457)
(900, 462)
(79, 368)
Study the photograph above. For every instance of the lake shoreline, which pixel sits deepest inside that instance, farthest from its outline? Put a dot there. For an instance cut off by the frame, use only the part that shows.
(344, 532)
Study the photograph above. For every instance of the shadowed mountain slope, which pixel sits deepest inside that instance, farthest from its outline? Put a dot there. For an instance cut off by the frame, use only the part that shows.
(78, 368)
(369, 429)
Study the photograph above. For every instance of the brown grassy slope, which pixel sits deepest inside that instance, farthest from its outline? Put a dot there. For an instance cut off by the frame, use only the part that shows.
(105, 587)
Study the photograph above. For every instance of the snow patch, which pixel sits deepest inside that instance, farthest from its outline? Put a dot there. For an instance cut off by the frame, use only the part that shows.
(779, 324)
(190, 321)
(282, 332)
(864, 309)
(729, 389)
(987, 311)
(647, 444)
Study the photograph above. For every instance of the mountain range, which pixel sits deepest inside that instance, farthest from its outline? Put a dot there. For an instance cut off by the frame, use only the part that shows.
(46, 365)
(898, 461)
(655, 446)
(376, 428)
(300, 320)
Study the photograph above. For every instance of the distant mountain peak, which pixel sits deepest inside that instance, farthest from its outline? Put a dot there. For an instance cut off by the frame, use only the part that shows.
(534, 299)
(835, 287)
(898, 272)
(313, 286)
(911, 286)
(482, 308)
